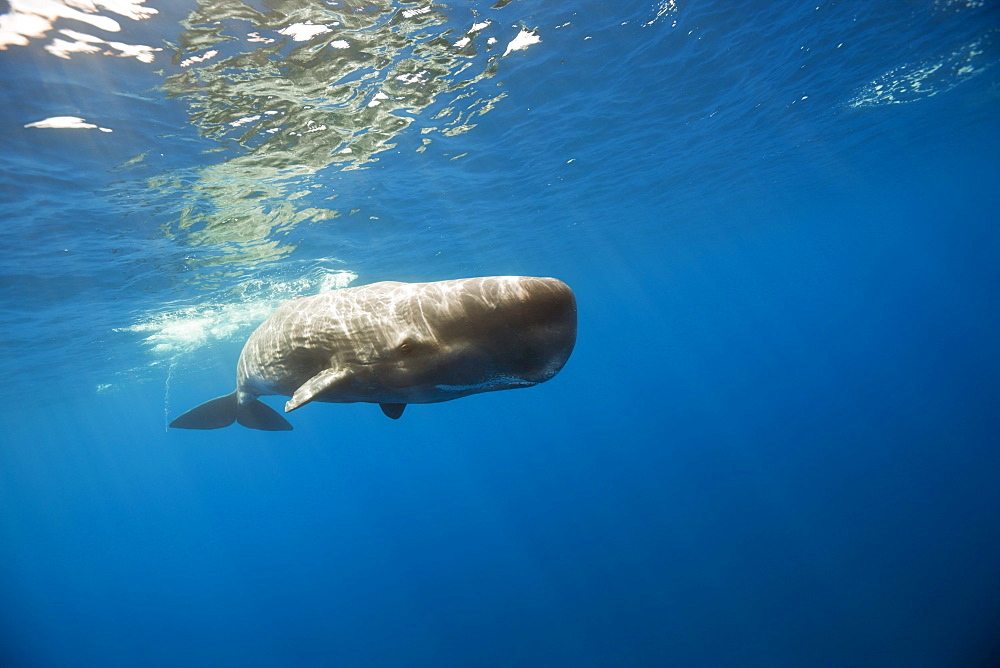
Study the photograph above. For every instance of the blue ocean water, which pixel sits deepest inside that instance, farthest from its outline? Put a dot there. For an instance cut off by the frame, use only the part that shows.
(776, 443)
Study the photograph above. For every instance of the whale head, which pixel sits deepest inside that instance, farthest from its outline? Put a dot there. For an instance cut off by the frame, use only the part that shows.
(478, 335)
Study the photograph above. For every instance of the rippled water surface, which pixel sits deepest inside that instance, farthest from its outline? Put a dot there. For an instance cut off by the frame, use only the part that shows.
(774, 444)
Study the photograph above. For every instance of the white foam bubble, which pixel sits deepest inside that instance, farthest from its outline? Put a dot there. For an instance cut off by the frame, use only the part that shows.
(228, 318)
(66, 123)
(336, 280)
(958, 4)
(301, 32)
(523, 40)
(413, 77)
(663, 8)
(212, 53)
(30, 19)
(912, 82)
(377, 100)
(243, 121)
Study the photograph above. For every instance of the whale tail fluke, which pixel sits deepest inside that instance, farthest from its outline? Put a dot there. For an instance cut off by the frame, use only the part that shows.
(223, 411)
(258, 415)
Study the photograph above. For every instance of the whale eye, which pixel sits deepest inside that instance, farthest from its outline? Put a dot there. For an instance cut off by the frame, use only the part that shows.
(414, 346)
(411, 346)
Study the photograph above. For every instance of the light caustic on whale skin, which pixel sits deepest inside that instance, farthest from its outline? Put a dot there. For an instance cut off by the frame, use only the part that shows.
(398, 343)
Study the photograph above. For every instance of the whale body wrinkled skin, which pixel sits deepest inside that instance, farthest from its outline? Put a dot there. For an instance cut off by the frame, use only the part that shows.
(395, 344)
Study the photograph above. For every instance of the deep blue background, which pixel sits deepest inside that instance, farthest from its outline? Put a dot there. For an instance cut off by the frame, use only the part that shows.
(775, 444)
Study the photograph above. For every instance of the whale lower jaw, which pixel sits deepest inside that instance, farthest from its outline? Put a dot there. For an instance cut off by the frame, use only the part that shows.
(427, 394)
(498, 384)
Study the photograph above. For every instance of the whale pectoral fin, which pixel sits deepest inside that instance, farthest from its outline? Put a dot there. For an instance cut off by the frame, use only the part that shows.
(214, 414)
(323, 381)
(258, 415)
(392, 410)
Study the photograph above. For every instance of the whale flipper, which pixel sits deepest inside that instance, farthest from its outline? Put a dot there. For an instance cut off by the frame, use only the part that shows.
(223, 411)
(392, 410)
(214, 414)
(321, 382)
